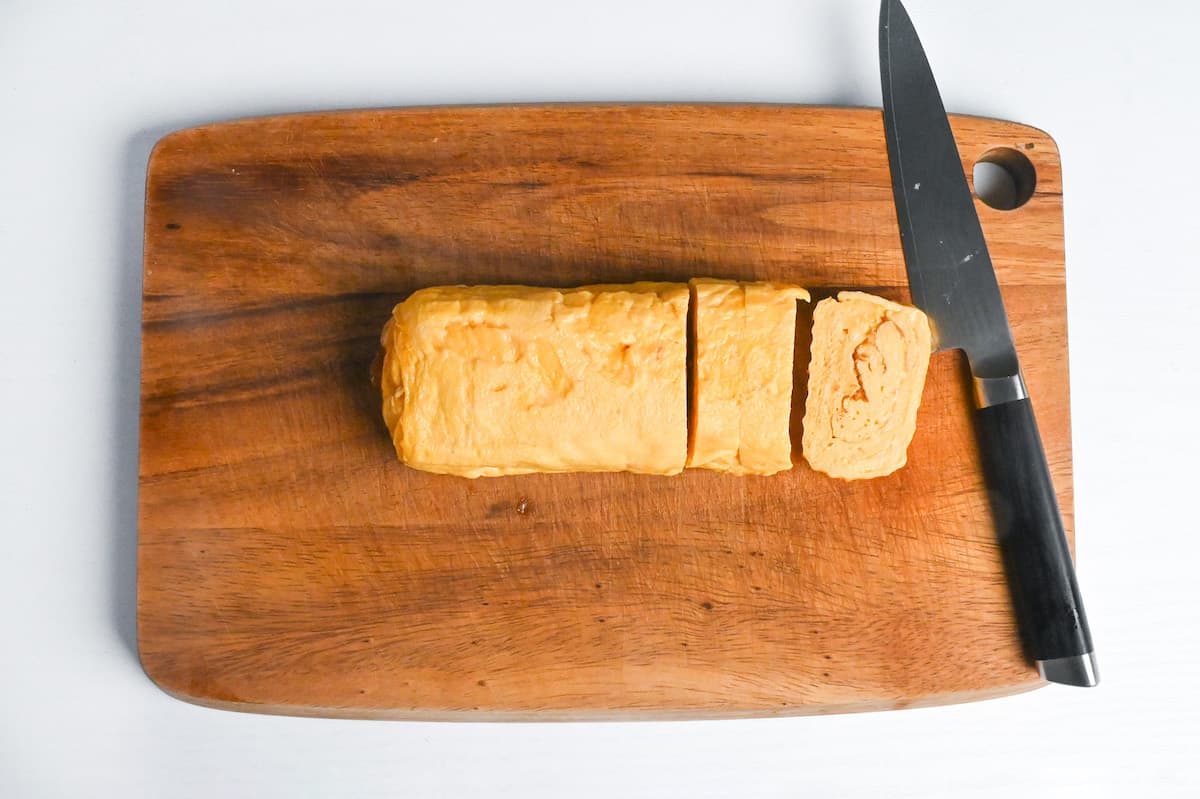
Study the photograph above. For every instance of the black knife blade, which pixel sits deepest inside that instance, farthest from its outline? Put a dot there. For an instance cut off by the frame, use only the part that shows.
(951, 278)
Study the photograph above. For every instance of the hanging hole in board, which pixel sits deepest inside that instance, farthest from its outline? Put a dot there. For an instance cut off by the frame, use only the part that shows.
(1004, 178)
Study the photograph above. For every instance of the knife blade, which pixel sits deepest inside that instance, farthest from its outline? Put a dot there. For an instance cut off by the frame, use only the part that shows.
(952, 280)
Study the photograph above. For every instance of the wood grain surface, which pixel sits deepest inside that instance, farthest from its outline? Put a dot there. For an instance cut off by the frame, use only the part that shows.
(287, 562)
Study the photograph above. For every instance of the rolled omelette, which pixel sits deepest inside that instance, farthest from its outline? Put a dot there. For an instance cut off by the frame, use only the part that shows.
(742, 375)
(865, 379)
(497, 380)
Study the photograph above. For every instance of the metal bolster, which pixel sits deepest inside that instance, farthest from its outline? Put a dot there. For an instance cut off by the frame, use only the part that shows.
(991, 391)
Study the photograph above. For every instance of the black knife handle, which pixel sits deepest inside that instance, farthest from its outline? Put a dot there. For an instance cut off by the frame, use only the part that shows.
(1041, 576)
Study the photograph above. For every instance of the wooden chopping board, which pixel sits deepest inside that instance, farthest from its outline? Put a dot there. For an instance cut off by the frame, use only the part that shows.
(287, 562)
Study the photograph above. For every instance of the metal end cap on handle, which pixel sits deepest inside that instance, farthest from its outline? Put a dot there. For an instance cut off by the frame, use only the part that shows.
(1077, 670)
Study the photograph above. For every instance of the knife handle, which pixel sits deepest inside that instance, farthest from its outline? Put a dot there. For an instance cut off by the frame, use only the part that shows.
(1041, 576)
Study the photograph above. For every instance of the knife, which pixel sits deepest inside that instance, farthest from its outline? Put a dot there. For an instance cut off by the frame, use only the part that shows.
(951, 279)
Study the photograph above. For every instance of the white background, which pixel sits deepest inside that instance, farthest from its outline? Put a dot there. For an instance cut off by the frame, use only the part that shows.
(85, 90)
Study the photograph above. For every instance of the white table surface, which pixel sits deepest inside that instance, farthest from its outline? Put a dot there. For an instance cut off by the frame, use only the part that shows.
(85, 92)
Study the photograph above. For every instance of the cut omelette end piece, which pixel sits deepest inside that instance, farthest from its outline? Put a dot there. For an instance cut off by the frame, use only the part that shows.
(865, 379)
(744, 337)
(495, 380)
